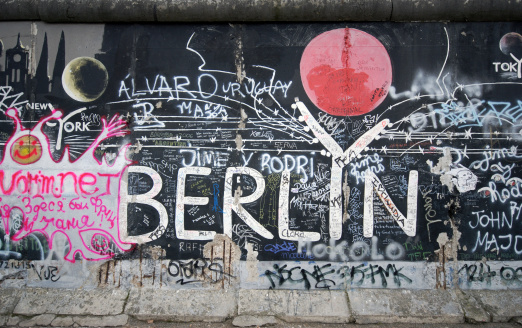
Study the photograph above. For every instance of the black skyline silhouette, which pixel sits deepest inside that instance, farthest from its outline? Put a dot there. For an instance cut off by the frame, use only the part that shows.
(16, 72)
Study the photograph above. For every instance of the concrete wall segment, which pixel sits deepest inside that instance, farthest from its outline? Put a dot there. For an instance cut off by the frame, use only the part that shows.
(222, 195)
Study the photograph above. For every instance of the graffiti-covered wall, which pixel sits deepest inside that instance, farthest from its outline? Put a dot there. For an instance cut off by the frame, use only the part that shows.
(301, 156)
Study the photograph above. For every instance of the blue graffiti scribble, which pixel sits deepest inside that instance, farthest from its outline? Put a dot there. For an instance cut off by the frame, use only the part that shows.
(473, 115)
(216, 207)
(284, 247)
(403, 185)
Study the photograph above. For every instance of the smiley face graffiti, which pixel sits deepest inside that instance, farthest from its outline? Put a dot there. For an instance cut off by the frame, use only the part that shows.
(26, 150)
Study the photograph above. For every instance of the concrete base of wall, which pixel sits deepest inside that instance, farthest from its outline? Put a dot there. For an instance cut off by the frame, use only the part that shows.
(108, 307)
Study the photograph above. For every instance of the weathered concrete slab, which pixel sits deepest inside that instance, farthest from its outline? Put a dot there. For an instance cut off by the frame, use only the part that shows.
(106, 321)
(3, 320)
(254, 320)
(63, 308)
(296, 305)
(181, 305)
(62, 322)
(501, 305)
(405, 306)
(13, 321)
(39, 320)
(8, 299)
(473, 311)
(34, 301)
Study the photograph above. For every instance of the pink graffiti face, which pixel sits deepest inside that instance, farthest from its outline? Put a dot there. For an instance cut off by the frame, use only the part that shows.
(100, 243)
(26, 150)
(78, 200)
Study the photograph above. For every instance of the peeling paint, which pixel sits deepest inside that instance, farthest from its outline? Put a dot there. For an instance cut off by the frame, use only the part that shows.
(346, 192)
(239, 59)
(135, 149)
(448, 247)
(442, 239)
(251, 263)
(237, 195)
(34, 32)
(244, 117)
(224, 248)
(239, 142)
(443, 166)
(453, 175)
(156, 252)
(454, 207)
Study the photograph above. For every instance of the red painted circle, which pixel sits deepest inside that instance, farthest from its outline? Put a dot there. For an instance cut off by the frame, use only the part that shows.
(346, 72)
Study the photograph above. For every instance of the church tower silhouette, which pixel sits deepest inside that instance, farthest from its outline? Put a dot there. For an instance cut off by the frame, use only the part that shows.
(16, 66)
(59, 66)
(41, 76)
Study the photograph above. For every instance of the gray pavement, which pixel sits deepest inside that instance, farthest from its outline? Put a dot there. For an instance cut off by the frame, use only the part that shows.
(147, 307)
(228, 324)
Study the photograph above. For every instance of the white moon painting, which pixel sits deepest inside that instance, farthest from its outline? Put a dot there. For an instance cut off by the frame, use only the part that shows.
(85, 79)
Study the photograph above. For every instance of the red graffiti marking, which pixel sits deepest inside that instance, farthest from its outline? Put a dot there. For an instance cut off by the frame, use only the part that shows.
(346, 72)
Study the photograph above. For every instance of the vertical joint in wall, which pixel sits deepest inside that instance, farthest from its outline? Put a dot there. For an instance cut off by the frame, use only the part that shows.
(441, 269)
